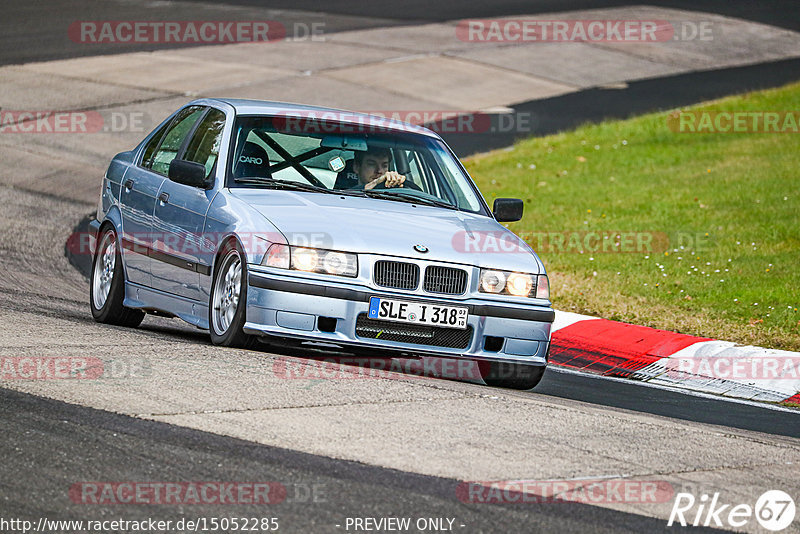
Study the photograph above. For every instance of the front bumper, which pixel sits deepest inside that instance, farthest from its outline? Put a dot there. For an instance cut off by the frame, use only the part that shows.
(291, 307)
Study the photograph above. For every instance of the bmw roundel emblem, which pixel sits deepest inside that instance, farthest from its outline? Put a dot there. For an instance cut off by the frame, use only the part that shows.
(421, 248)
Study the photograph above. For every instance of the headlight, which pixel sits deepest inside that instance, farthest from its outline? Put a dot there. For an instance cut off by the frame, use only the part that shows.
(304, 259)
(336, 263)
(277, 256)
(493, 281)
(515, 284)
(519, 285)
(311, 260)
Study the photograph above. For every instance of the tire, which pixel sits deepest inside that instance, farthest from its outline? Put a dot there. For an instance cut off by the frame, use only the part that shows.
(107, 285)
(228, 302)
(511, 375)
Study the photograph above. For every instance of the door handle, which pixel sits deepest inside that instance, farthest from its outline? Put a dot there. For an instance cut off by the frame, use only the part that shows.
(128, 184)
(164, 198)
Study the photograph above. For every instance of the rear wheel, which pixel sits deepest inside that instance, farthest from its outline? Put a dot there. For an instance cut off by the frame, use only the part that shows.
(226, 310)
(107, 288)
(511, 375)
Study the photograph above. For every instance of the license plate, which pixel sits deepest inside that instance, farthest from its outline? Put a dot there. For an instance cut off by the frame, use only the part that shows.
(418, 313)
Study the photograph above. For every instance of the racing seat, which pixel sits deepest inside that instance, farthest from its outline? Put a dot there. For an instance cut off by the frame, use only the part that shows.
(252, 162)
(347, 178)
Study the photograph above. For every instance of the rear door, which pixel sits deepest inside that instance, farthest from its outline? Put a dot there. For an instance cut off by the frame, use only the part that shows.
(140, 189)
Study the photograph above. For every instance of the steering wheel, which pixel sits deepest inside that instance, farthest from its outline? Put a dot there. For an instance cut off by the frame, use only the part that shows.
(408, 184)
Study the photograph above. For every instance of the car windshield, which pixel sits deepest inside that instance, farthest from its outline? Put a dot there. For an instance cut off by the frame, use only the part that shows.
(334, 157)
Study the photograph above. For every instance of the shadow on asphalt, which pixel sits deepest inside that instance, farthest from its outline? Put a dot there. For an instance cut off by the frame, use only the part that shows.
(565, 112)
(71, 444)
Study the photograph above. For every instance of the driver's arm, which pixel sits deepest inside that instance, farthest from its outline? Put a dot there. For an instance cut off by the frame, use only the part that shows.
(388, 179)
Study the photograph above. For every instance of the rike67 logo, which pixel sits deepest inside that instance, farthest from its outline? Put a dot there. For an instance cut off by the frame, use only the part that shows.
(774, 510)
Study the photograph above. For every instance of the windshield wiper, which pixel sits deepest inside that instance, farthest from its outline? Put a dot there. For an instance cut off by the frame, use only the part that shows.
(402, 196)
(282, 184)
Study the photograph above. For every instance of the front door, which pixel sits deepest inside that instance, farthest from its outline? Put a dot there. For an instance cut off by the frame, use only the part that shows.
(180, 256)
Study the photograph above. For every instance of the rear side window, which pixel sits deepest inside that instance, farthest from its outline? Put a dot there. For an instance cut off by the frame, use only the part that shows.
(179, 129)
(204, 145)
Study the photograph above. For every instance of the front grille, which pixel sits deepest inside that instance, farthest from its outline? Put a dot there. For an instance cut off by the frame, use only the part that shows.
(396, 274)
(410, 333)
(446, 280)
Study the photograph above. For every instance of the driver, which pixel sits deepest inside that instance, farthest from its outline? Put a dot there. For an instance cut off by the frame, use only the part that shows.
(372, 169)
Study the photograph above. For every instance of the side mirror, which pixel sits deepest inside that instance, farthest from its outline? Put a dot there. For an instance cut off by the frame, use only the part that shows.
(187, 173)
(507, 209)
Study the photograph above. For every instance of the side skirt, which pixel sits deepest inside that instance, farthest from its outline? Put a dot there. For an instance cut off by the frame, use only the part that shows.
(148, 299)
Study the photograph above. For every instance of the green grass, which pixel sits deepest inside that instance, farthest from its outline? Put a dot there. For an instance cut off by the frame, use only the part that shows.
(732, 201)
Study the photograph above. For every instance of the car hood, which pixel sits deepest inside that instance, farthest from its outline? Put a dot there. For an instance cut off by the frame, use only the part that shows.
(391, 228)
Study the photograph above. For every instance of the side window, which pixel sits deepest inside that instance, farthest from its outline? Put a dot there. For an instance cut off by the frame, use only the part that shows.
(178, 130)
(204, 146)
(150, 149)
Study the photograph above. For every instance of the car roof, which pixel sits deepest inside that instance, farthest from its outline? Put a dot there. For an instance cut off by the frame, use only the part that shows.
(264, 107)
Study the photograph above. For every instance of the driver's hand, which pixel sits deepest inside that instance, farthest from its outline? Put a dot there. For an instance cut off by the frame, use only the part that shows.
(388, 179)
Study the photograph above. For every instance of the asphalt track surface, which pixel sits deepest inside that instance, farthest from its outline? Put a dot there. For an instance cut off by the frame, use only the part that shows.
(35, 30)
(320, 492)
(49, 445)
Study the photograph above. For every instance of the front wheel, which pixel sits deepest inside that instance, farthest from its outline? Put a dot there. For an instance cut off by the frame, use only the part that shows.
(511, 375)
(107, 288)
(228, 302)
